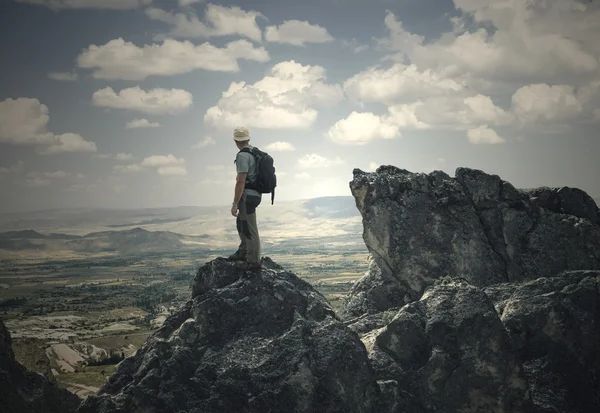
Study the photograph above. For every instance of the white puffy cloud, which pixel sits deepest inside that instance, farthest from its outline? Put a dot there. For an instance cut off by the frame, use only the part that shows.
(89, 4)
(484, 135)
(399, 83)
(172, 171)
(527, 40)
(457, 112)
(119, 59)
(280, 147)
(219, 21)
(63, 76)
(154, 101)
(24, 121)
(162, 160)
(284, 99)
(317, 161)
(141, 123)
(297, 33)
(544, 103)
(67, 142)
(361, 128)
(208, 141)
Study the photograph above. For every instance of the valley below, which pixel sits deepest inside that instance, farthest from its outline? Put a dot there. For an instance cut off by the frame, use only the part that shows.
(77, 304)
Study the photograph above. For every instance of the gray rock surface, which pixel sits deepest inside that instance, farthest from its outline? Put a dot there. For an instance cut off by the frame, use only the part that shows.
(265, 342)
(554, 324)
(446, 352)
(421, 227)
(23, 391)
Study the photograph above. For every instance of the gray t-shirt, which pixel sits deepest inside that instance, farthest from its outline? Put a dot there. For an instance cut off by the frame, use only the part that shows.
(245, 162)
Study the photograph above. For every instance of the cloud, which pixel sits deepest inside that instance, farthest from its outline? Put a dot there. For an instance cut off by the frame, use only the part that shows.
(361, 128)
(355, 46)
(162, 160)
(172, 171)
(24, 121)
(297, 33)
(483, 135)
(317, 161)
(219, 21)
(118, 59)
(506, 41)
(208, 141)
(68, 142)
(128, 168)
(88, 4)
(280, 147)
(284, 99)
(544, 103)
(141, 123)
(399, 83)
(63, 76)
(123, 156)
(185, 3)
(154, 101)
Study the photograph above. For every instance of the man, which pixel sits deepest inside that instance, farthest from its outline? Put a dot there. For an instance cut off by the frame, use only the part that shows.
(245, 201)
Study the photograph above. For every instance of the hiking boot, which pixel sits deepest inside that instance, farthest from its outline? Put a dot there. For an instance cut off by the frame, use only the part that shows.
(236, 256)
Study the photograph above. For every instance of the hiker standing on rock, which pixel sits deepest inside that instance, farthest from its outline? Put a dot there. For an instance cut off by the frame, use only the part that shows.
(245, 201)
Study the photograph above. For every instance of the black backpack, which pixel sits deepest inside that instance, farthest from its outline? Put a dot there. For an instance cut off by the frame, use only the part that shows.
(266, 181)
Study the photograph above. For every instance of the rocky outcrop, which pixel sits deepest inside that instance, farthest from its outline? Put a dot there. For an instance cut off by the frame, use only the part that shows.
(421, 227)
(446, 352)
(554, 325)
(245, 342)
(24, 391)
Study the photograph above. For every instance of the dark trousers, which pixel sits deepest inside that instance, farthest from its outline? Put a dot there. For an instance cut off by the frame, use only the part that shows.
(247, 228)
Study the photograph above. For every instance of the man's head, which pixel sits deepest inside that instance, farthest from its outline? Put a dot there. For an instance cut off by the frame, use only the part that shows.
(241, 136)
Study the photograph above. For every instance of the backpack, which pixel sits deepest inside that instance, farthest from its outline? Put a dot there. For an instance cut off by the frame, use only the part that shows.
(265, 181)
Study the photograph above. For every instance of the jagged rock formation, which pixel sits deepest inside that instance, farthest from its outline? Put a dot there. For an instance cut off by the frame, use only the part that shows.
(421, 227)
(554, 324)
(446, 352)
(264, 343)
(24, 391)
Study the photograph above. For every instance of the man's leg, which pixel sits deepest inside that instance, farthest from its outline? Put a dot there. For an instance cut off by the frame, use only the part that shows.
(242, 250)
(252, 237)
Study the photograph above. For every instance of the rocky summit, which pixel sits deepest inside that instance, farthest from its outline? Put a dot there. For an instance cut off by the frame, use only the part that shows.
(247, 341)
(480, 298)
(24, 391)
(421, 227)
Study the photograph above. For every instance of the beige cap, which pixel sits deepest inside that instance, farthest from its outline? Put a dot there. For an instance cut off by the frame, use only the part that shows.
(241, 134)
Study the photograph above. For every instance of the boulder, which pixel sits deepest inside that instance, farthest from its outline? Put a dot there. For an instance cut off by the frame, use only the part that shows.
(246, 342)
(422, 227)
(554, 324)
(446, 352)
(25, 391)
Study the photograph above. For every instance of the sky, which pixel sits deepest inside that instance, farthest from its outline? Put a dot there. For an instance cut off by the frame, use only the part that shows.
(132, 103)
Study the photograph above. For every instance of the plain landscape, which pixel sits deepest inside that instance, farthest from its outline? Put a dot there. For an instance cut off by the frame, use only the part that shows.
(81, 289)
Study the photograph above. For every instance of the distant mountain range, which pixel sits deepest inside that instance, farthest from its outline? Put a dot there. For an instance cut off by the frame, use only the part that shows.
(94, 231)
(127, 241)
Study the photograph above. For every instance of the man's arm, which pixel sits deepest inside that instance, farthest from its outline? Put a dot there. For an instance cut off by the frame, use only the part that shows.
(240, 182)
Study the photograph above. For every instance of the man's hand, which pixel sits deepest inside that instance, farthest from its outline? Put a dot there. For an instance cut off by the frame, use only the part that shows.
(234, 210)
